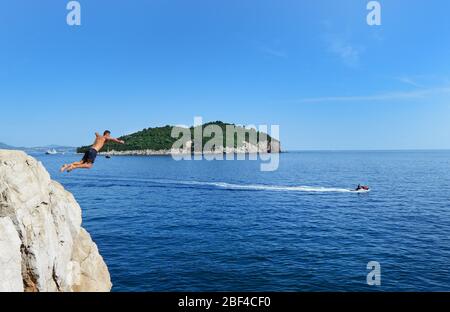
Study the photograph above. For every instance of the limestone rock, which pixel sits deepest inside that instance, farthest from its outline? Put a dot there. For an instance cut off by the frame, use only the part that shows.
(42, 244)
(10, 257)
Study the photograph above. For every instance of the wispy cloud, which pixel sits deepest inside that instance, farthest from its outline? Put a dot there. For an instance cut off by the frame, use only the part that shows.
(274, 52)
(349, 53)
(423, 80)
(380, 97)
(409, 81)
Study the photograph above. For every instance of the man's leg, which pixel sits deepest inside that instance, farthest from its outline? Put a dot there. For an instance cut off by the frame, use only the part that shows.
(65, 166)
(79, 166)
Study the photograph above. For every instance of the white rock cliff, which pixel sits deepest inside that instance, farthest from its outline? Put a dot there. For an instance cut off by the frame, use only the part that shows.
(42, 244)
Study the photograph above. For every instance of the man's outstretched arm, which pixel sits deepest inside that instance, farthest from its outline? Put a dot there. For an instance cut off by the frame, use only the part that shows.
(116, 140)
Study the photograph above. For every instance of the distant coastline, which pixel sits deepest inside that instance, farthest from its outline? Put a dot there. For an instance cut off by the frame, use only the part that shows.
(40, 149)
(175, 152)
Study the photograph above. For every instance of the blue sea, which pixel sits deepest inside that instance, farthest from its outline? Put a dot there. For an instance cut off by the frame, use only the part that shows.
(166, 225)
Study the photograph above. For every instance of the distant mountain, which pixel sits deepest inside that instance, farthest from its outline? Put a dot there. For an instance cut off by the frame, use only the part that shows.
(39, 149)
(160, 139)
(5, 146)
(43, 149)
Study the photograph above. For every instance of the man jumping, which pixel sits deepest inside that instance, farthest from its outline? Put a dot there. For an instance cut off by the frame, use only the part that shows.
(89, 157)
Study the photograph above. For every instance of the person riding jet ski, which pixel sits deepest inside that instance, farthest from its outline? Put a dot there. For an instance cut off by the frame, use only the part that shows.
(362, 188)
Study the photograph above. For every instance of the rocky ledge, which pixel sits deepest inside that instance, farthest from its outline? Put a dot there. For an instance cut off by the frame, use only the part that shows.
(42, 244)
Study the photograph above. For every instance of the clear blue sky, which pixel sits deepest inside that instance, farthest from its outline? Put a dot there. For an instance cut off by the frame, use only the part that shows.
(313, 67)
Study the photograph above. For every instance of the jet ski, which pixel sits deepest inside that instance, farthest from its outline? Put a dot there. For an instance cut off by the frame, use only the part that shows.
(362, 188)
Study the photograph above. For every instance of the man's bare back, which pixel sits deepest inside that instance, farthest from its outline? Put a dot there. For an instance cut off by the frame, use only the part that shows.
(100, 141)
(89, 157)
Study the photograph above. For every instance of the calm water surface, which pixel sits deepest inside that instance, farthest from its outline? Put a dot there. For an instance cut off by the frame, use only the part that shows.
(163, 225)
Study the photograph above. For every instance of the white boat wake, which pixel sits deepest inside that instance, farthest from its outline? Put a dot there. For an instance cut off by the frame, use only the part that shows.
(260, 187)
(249, 187)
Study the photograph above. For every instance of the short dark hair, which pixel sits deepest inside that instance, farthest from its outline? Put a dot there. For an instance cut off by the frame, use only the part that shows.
(106, 132)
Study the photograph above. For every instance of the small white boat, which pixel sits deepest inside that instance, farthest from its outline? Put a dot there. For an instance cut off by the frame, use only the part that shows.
(51, 152)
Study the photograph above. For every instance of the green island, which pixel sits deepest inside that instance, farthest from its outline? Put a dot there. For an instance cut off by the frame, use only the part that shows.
(160, 139)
